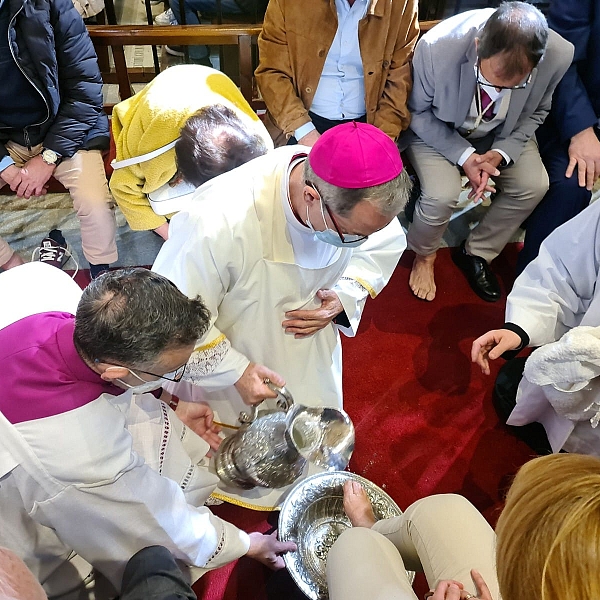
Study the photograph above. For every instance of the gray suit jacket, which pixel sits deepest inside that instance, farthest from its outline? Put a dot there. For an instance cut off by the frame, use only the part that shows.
(444, 86)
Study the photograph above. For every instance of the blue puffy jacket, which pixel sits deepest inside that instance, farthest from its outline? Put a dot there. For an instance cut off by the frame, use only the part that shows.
(53, 49)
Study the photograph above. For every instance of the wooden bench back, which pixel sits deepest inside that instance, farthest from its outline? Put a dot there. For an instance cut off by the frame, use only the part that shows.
(243, 36)
(118, 36)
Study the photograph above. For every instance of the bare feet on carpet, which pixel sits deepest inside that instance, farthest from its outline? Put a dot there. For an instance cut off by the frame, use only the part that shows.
(421, 280)
(357, 505)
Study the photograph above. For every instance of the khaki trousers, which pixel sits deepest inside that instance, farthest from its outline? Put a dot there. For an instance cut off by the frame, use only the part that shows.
(83, 175)
(521, 186)
(445, 536)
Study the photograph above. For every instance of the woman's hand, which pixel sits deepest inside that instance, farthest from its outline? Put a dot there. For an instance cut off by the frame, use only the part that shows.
(449, 589)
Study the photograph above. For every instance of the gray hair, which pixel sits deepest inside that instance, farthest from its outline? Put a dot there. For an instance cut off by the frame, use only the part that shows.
(517, 30)
(387, 198)
(131, 316)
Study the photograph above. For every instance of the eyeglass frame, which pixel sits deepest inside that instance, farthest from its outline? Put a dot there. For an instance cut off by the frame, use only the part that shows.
(330, 213)
(520, 86)
(175, 379)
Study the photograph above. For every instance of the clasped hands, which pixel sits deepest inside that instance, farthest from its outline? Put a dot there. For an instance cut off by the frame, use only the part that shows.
(479, 168)
(30, 179)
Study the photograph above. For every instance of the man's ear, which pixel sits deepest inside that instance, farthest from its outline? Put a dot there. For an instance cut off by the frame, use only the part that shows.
(310, 195)
(111, 372)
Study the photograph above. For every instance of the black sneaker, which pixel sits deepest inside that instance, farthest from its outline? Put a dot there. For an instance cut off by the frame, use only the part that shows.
(97, 270)
(53, 250)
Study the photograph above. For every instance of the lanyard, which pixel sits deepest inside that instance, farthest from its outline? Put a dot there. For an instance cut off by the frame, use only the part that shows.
(480, 110)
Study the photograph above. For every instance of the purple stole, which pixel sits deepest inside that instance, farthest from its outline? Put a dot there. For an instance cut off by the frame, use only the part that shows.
(41, 372)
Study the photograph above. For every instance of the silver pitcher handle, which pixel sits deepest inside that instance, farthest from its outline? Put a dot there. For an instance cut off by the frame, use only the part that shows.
(284, 402)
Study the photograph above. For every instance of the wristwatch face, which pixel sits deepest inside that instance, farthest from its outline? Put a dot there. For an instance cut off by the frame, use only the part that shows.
(49, 157)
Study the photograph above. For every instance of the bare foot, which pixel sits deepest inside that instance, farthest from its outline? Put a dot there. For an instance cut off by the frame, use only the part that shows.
(14, 261)
(421, 279)
(357, 505)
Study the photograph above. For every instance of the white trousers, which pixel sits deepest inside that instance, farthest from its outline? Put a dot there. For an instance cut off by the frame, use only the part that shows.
(444, 536)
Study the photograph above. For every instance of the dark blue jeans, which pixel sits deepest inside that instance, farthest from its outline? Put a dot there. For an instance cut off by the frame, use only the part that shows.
(207, 7)
(563, 200)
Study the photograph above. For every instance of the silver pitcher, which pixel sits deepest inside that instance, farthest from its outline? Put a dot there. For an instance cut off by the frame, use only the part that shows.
(272, 448)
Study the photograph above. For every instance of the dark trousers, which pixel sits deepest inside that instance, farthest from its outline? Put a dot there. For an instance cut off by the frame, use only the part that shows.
(322, 124)
(504, 398)
(562, 202)
(153, 574)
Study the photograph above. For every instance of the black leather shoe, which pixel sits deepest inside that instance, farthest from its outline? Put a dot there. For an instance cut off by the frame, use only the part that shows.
(478, 273)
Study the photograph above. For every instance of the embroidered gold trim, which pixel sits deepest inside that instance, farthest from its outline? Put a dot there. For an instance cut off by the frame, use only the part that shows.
(210, 345)
(242, 503)
(367, 287)
(363, 284)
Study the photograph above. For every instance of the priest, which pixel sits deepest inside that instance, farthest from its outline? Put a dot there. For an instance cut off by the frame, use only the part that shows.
(92, 468)
(285, 251)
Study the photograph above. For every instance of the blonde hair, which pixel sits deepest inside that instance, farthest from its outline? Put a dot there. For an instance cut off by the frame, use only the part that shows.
(548, 545)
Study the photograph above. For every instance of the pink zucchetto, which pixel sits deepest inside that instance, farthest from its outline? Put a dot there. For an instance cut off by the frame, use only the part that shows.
(355, 155)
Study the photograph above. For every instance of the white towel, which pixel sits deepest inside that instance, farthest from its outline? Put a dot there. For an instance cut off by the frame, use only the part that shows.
(566, 369)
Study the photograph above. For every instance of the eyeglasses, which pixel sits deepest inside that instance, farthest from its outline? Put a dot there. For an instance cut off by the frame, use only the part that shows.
(175, 375)
(345, 240)
(520, 86)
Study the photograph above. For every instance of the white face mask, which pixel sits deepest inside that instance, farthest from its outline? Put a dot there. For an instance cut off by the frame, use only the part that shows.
(329, 236)
(144, 387)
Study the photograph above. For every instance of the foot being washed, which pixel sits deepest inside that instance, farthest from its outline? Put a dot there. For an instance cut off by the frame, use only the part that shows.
(357, 505)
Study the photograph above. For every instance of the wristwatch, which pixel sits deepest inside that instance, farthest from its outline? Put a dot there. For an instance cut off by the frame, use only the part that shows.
(50, 157)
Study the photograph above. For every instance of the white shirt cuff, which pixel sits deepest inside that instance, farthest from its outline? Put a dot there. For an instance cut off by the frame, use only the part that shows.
(463, 157)
(5, 163)
(303, 130)
(505, 156)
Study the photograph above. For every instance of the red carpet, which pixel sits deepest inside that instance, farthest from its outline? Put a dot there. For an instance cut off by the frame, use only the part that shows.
(422, 412)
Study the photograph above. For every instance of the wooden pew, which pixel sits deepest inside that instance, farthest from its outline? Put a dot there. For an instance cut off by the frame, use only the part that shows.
(241, 35)
(118, 36)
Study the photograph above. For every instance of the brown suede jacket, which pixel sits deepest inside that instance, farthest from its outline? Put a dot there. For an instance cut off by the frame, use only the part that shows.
(293, 46)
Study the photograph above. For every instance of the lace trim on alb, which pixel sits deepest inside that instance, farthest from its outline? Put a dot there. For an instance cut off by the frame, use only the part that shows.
(165, 437)
(187, 478)
(204, 362)
(219, 546)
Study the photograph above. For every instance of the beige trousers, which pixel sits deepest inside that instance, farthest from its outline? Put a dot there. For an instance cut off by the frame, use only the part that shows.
(445, 536)
(521, 186)
(83, 175)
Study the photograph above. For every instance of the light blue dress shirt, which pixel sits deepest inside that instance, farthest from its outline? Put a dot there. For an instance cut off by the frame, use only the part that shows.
(341, 90)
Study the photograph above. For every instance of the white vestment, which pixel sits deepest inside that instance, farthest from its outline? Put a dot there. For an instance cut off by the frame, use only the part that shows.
(233, 248)
(555, 293)
(103, 480)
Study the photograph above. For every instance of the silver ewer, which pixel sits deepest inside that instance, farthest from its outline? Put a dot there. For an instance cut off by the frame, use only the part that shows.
(271, 449)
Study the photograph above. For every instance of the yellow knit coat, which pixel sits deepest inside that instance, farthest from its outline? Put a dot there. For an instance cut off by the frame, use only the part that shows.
(154, 117)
